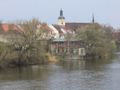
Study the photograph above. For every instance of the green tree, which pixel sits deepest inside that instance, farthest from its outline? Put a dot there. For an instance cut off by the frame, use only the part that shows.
(97, 41)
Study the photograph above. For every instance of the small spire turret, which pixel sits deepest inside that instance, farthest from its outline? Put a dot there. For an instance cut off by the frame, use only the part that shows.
(93, 19)
(61, 13)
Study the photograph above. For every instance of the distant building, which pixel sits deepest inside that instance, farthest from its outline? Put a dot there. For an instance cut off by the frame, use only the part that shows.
(60, 46)
(9, 32)
(64, 47)
(62, 27)
(6, 27)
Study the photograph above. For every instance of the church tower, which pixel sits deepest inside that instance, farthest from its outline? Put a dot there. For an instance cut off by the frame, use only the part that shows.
(61, 19)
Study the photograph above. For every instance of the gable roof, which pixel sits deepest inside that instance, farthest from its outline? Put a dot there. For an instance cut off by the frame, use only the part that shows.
(74, 26)
(58, 27)
(70, 27)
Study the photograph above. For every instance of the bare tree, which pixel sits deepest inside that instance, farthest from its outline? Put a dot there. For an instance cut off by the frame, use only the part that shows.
(33, 45)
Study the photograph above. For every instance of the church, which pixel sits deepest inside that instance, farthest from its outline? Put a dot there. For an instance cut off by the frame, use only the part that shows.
(61, 28)
(61, 46)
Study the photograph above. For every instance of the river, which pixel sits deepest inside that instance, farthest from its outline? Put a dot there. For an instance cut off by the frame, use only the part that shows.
(68, 75)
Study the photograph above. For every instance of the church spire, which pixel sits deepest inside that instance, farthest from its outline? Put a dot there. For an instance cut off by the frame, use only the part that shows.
(61, 13)
(93, 18)
(61, 19)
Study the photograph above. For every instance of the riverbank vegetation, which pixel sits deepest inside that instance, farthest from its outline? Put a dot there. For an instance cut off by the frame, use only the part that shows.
(31, 48)
(98, 41)
(32, 45)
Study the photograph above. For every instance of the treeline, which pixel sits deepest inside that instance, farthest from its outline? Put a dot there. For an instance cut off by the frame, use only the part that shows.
(116, 36)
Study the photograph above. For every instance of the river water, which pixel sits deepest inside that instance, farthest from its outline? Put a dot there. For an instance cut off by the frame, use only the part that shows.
(68, 75)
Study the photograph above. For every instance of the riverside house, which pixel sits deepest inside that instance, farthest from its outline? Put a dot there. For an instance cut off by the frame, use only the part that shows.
(64, 47)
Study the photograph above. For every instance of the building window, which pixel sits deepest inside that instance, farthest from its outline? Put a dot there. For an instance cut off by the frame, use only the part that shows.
(81, 51)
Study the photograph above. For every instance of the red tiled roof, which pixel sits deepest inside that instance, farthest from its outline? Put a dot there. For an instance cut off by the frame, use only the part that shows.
(8, 27)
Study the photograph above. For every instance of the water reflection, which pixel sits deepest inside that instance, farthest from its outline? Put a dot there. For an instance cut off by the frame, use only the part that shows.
(23, 73)
(67, 75)
(84, 64)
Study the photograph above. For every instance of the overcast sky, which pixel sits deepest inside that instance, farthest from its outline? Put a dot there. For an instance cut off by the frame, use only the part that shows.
(105, 11)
